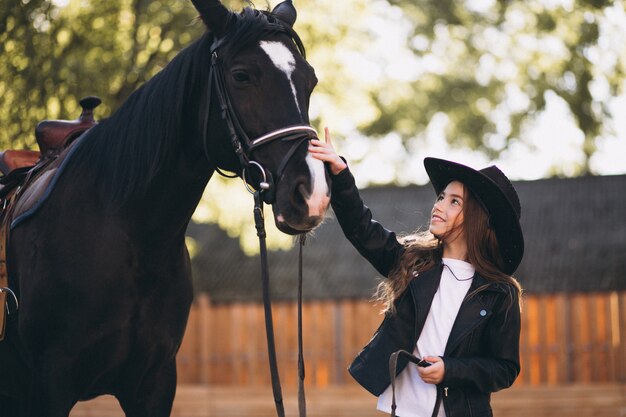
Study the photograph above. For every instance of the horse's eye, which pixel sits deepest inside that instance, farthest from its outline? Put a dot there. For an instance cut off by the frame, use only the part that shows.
(241, 76)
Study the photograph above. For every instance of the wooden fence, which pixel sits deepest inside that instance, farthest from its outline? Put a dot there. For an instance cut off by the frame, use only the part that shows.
(566, 338)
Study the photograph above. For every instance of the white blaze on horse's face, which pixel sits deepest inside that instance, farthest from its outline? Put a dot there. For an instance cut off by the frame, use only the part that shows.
(319, 199)
(284, 60)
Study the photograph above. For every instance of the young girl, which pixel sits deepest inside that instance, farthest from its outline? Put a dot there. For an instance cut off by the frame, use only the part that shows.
(449, 294)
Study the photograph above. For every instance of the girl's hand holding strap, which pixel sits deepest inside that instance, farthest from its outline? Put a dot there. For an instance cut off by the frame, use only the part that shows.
(434, 373)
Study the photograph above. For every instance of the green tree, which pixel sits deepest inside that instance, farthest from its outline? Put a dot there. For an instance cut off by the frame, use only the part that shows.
(53, 56)
(488, 65)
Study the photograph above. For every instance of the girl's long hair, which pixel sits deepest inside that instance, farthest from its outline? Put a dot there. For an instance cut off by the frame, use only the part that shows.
(423, 250)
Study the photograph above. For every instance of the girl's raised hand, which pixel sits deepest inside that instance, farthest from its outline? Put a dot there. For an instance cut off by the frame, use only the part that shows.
(325, 152)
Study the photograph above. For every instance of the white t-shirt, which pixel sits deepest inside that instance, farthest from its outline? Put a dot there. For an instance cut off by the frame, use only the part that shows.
(414, 397)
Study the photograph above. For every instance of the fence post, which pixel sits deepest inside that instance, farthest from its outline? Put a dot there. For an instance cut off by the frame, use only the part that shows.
(204, 307)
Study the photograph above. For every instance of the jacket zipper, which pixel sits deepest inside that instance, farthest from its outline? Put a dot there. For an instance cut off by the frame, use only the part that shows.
(440, 402)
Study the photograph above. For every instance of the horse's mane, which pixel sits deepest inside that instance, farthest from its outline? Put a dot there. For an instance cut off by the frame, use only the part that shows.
(128, 150)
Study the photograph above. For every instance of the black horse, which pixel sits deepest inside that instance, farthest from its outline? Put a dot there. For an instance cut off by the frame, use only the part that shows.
(100, 266)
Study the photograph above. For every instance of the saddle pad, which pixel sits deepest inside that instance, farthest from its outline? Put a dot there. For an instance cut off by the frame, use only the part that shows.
(35, 192)
(35, 195)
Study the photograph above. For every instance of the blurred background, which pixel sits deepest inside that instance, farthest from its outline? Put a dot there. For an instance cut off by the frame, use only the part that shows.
(537, 87)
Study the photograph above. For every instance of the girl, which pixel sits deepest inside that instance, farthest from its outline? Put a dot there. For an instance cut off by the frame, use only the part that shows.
(449, 293)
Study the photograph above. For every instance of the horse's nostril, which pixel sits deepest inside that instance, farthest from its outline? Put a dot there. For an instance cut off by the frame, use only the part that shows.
(303, 191)
(298, 196)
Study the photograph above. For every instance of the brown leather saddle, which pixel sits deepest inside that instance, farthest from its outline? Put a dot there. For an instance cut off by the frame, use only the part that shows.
(25, 178)
(52, 137)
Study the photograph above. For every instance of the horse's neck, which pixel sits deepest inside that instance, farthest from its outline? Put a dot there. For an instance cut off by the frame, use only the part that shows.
(171, 199)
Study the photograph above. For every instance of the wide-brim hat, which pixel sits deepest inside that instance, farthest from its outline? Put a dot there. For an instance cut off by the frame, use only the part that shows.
(498, 198)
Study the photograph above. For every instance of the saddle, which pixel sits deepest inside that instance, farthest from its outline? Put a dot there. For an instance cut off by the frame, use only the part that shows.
(22, 168)
(52, 137)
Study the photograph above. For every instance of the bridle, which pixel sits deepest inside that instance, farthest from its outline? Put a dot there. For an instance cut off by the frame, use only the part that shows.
(263, 190)
(241, 143)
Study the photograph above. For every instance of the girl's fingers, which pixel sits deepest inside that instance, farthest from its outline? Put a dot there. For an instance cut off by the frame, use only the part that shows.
(324, 151)
(317, 148)
(327, 136)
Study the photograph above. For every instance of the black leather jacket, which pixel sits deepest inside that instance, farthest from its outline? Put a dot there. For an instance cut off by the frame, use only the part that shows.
(482, 353)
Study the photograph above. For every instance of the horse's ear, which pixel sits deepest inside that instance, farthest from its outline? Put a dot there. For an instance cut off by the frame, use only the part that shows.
(214, 15)
(286, 12)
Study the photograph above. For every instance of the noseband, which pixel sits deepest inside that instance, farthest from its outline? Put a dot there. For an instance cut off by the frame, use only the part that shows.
(242, 144)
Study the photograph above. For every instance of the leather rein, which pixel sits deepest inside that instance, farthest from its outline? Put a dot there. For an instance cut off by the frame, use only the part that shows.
(263, 191)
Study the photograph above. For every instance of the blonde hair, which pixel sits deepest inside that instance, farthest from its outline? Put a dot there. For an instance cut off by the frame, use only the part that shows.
(423, 251)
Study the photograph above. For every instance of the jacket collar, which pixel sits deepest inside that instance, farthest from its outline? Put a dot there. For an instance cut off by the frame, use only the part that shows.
(474, 309)
(480, 281)
(423, 289)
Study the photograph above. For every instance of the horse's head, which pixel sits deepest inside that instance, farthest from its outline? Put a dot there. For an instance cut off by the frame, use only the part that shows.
(261, 85)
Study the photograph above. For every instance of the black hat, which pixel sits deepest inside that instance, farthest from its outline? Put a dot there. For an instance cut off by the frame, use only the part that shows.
(498, 197)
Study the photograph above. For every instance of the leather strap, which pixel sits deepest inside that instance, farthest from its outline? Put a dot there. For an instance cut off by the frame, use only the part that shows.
(301, 396)
(269, 325)
(242, 144)
(4, 275)
(3, 314)
(393, 366)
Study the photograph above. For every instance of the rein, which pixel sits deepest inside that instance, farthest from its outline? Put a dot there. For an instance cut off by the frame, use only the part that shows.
(259, 223)
(264, 190)
(393, 367)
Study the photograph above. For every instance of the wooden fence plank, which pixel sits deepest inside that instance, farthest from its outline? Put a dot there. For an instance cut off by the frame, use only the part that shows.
(560, 315)
(619, 338)
(581, 335)
(544, 323)
(204, 327)
(601, 338)
(552, 333)
(532, 354)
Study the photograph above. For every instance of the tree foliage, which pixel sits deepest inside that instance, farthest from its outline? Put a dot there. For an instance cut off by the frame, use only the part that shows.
(488, 65)
(53, 56)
